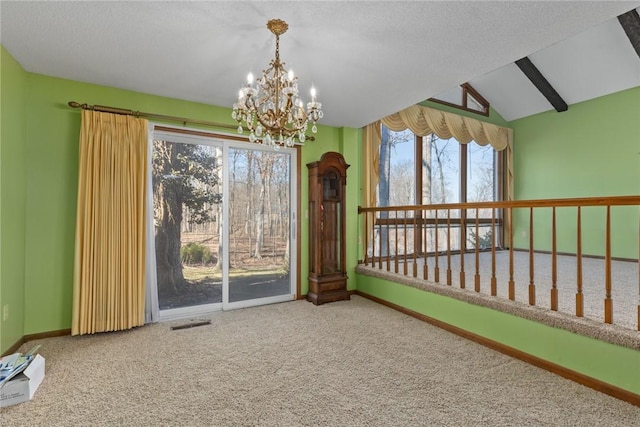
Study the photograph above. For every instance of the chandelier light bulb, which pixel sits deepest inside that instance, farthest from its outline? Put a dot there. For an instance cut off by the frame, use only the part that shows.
(313, 93)
(290, 75)
(250, 79)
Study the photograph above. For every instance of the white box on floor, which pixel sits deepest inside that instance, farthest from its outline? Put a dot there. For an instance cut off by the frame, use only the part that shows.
(22, 387)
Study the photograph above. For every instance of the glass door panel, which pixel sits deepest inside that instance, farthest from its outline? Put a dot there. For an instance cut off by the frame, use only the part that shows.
(259, 226)
(187, 208)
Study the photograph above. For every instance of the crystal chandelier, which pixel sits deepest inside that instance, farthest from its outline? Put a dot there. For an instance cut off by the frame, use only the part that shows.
(271, 110)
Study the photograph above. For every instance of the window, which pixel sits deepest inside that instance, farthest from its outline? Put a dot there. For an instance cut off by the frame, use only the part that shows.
(397, 169)
(432, 170)
(464, 97)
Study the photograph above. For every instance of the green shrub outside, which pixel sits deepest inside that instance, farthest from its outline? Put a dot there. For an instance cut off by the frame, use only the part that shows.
(195, 253)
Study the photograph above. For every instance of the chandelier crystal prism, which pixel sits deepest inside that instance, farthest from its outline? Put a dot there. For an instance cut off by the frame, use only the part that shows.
(270, 107)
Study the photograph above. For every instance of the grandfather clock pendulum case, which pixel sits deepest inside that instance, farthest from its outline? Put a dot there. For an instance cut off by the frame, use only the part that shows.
(327, 273)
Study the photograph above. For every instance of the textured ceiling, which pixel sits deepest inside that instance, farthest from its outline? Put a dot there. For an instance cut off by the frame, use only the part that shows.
(366, 59)
(593, 63)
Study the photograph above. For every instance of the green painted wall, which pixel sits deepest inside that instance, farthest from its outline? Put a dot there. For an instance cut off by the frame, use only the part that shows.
(612, 364)
(13, 196)
(51, 181)
(591, 150)
(350, 141)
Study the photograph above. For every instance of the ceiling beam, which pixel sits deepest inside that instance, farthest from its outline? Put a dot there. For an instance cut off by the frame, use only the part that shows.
(542, 84)
(630, 22)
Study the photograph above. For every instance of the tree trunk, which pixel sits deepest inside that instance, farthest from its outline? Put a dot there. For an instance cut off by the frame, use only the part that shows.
(260, 223)
(287, 256)
(385, 167)
(426, 170)
(249, 192)
(269, 210)
(218, 265)
(427, 184)
(168, 235)
(383, 184)
(440, 153)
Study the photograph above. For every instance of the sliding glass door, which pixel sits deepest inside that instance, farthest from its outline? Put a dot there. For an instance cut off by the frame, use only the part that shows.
(222, 225)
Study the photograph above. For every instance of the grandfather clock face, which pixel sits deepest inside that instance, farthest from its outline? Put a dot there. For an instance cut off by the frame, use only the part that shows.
(330, 231)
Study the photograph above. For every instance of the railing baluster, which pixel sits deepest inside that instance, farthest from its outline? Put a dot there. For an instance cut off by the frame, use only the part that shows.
(436, 271)
(381, 238)
(494, 282)
(554, 263)
(579, 294)
(532, 286)
(395, 253)
(449, 246)
(476, 281)
(425, 243)
(608, 303)
(512, 285)
(365, 227)
(371, 238)
(405, 238)
(463, 240)
(388, 241)
(415, 242)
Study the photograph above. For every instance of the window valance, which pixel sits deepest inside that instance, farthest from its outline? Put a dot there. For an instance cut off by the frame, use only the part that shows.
(424, 120)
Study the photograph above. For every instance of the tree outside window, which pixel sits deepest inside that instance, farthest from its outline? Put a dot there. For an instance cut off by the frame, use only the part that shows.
(436, 171)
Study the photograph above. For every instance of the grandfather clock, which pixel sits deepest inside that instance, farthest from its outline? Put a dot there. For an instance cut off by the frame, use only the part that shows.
(327, 273)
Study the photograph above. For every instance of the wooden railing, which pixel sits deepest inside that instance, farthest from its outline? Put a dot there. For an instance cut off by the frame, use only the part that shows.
(412, 240)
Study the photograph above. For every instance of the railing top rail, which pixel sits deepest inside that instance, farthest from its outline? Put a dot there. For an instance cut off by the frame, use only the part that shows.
(540, 203)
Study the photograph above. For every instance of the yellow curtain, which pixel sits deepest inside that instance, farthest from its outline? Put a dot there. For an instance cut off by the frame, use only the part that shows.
(109, 274)
(371, 139)
(370, 162)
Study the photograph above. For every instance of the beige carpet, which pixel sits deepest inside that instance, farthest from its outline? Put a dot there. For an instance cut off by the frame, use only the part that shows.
(625, 281)
(624, 278)
(350, 363)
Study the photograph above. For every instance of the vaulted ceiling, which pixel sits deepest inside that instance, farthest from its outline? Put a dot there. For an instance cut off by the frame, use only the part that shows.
(367, 59)
(595, 62)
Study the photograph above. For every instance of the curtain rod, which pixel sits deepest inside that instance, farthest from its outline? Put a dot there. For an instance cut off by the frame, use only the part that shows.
(126, 112)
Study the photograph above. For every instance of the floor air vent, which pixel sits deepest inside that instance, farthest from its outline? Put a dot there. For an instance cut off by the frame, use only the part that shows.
(191, 325)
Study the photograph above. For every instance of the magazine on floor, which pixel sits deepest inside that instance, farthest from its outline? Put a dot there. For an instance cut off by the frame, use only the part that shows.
(13, 364)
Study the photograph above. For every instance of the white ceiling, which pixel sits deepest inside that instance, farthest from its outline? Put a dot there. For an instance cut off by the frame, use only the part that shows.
(593, 63)
(366, 59)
